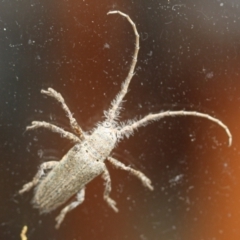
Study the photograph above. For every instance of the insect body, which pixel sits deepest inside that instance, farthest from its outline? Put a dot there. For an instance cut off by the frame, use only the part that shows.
(85, 160)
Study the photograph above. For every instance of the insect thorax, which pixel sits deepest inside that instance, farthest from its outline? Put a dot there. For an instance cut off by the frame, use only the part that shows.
(101, 142)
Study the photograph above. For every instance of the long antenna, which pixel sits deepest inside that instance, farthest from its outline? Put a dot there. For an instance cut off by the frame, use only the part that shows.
(113, 111)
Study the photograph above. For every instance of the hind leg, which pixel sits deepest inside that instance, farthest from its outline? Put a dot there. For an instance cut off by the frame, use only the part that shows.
(44, 166)
(80, 198)
(108, 188)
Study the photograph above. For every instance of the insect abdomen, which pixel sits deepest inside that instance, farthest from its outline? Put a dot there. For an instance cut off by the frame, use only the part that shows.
(72, 173)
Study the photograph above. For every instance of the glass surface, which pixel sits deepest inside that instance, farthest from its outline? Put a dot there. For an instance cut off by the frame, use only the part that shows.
(189, 59)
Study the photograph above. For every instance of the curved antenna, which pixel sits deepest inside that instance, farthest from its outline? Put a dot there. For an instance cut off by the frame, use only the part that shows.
(113, 112)
(128, 129)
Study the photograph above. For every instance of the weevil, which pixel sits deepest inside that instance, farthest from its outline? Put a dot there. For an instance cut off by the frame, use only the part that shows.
(57, 181)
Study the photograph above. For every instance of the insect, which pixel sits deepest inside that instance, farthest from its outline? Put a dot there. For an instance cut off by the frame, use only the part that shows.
(57, 181)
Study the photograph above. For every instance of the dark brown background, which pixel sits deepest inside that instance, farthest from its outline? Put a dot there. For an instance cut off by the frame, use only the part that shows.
(189, 59)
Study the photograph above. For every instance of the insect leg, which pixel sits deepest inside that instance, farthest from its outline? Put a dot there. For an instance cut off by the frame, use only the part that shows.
(44, 166)
(53, 128)
(80, 198)
(129, 129)
(107, 190)
(74, 125)
(145, 181)
(114, 110)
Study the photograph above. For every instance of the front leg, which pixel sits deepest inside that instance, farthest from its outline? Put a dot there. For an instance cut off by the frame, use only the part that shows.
(145, 181)
(80, 198)
(73, 122)
(108, 189)
(56, 129)
(44, 166)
